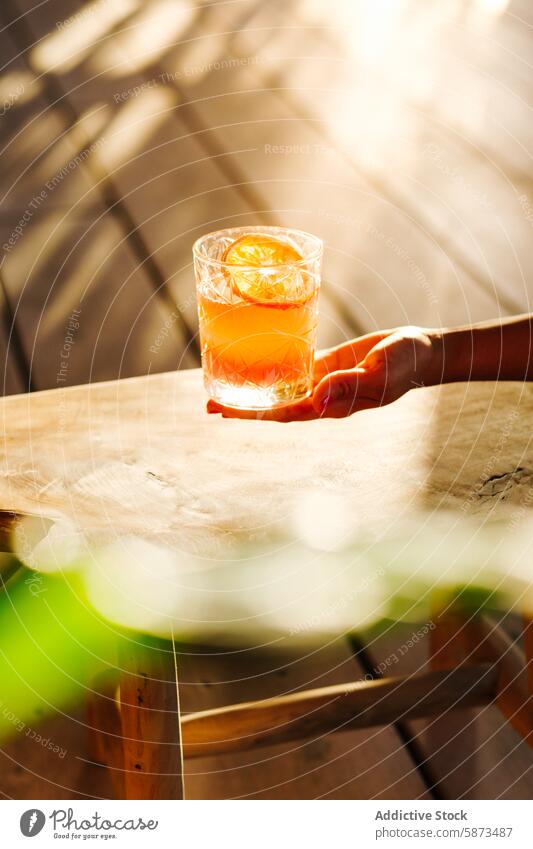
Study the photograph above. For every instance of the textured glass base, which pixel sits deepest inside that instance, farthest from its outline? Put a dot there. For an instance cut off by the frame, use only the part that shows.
(252, 397)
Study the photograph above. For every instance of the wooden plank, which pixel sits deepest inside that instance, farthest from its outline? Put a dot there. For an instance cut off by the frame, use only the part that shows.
(17, 91)
(356, 764)
(370, 280)
(380, 266)
(340, 707)
(170, 188)
(38, 143)
(70, 275)
(381, 263)
(476, 76)
(86, 309)
(461, 199)
(399, 248)
(173, 183)
(13, 375)
(406, 159)
(485, 88)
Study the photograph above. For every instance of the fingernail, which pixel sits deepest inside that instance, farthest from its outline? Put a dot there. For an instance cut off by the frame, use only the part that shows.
(322, 405)
(336, 393)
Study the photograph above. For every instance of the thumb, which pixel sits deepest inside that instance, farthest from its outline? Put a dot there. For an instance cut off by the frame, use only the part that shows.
(341, 393)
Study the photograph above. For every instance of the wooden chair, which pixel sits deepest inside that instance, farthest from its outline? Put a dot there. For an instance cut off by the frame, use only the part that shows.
(139, 735)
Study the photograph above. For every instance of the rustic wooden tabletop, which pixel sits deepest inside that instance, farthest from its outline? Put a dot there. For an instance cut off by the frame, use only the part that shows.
(142, 456)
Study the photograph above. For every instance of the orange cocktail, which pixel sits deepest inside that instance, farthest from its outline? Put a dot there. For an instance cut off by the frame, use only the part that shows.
(258, 308)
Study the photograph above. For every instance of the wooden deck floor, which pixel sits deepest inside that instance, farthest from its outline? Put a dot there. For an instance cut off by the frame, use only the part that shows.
(399, 132)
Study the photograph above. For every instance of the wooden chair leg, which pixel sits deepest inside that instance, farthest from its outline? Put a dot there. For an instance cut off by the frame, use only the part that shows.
(515, 684)
(454, 737)
(514, 695)
(528, 649)
(150, 721)
(460, 638)
(105, 732)
(457, 639)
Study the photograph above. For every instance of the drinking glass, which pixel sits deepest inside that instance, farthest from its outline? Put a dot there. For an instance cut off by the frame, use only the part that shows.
(258, 323)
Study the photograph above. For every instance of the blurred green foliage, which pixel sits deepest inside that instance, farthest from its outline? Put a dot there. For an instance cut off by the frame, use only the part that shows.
(51, 644)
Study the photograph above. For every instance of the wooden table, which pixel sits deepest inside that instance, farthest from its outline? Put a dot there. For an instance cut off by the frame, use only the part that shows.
(142, 457)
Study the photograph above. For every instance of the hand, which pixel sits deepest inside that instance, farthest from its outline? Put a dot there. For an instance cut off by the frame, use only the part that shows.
(367, 372)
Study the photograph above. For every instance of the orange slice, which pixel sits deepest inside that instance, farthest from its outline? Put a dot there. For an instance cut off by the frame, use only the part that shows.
(264, 270)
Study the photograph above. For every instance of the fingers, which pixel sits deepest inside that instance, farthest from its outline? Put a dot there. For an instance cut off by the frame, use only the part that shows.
(345, 392)
(294, 413)
(348, 355)
(338, 394)
(341, 387)
(343, 409)
(301, 411)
